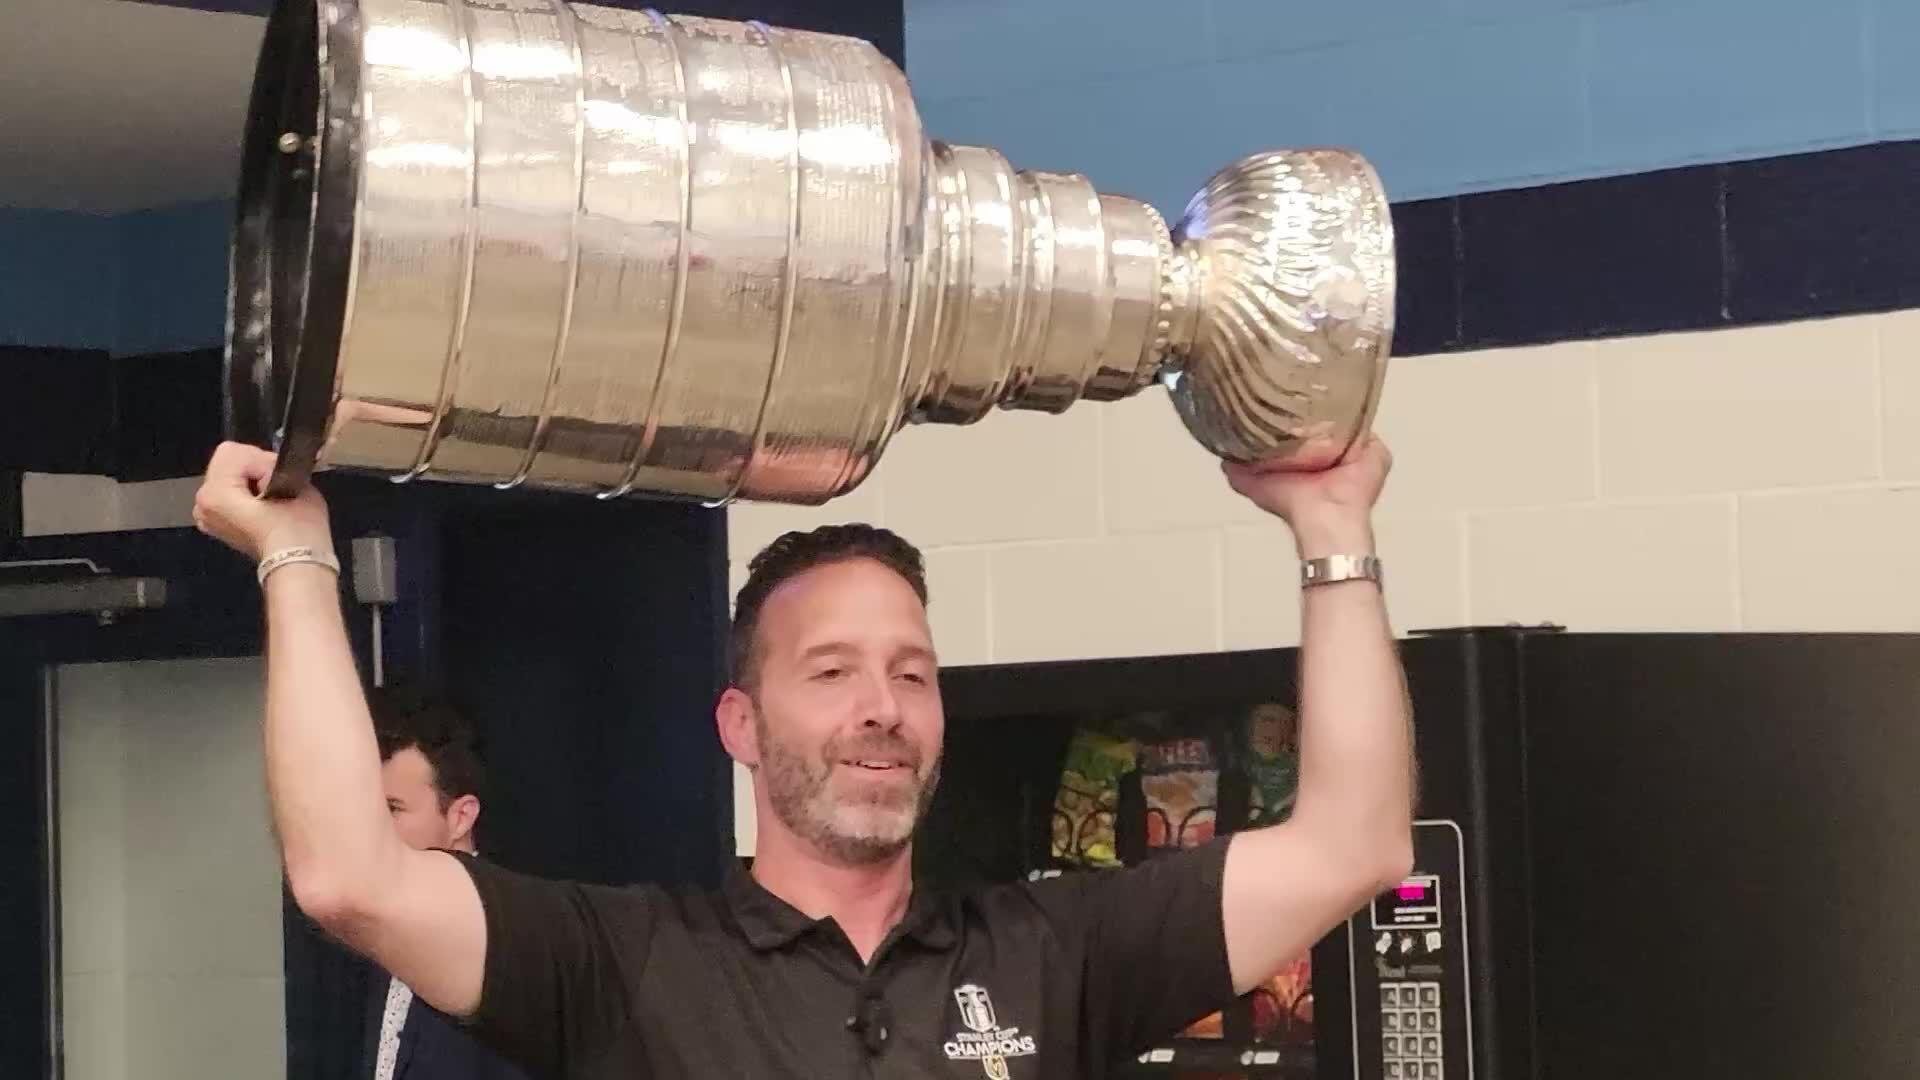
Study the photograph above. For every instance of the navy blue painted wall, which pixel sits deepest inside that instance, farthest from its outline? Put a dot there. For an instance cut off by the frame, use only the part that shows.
(59, 279)
(146, 281)
(173, 288)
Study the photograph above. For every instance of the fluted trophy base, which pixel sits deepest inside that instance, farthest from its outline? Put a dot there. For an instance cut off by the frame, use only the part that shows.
(1289, 263)
(532, 243)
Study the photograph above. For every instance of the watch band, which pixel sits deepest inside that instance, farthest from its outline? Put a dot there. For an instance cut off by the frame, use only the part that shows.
(1333, 568)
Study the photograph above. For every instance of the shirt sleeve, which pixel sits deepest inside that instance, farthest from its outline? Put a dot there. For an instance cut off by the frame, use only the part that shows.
(561, 958)
(1154, 949)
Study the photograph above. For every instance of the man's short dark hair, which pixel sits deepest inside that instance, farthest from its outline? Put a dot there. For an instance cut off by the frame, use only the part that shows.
(795, 553)
(405, 718)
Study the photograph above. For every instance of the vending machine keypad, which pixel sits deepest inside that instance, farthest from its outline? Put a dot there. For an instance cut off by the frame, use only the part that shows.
(1409, 964)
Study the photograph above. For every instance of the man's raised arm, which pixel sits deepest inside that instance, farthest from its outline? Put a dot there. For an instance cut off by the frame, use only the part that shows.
(1350, 835)
(416, 914)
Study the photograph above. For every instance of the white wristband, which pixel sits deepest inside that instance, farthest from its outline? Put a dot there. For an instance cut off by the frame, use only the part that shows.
(288, 556)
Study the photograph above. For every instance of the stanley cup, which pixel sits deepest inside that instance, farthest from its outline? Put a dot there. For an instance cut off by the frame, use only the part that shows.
(525, 242)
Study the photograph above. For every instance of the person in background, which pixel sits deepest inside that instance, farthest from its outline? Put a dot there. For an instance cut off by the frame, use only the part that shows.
(432, 774)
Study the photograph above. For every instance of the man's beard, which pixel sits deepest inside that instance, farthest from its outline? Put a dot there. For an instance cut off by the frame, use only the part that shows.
(856, 828)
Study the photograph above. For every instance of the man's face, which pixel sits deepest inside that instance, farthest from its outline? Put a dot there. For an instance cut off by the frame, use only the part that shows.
(414, 803)
(847, 709)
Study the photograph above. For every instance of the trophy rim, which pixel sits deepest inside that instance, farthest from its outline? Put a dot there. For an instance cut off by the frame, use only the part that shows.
(281, 381)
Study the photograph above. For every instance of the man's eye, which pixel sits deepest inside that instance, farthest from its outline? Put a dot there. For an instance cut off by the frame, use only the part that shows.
(914, 677)
(830, 673)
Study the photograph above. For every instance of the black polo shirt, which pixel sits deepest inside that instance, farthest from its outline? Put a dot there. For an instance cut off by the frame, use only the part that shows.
(1058, 978)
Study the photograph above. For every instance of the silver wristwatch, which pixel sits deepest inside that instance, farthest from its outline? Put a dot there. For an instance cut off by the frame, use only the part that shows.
(1332, 568)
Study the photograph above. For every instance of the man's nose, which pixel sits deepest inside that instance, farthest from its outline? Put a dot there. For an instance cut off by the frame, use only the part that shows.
(881, 707)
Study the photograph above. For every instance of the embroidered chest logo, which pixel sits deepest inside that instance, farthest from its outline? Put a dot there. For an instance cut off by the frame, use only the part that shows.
(985, 1040)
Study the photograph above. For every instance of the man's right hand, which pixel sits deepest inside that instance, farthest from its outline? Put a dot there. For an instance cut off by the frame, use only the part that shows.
(230, 508)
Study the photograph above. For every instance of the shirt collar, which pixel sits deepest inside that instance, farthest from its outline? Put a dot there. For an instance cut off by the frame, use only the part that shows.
(770, 922)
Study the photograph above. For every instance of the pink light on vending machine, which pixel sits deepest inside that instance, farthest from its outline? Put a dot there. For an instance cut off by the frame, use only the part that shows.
(1412, 890)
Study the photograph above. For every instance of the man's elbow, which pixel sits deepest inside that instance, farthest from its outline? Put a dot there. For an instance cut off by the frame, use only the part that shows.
(334, 901)
(1389, 859)
(1363, 864)
(1394, 861)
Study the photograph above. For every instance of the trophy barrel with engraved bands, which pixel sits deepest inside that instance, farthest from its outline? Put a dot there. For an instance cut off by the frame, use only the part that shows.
(561, 246)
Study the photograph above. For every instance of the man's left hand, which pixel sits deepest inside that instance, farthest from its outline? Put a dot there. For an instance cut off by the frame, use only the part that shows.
(1329, 510)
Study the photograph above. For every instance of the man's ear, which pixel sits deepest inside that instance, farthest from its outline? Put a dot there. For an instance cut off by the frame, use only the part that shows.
(463, 814)
(733, 714)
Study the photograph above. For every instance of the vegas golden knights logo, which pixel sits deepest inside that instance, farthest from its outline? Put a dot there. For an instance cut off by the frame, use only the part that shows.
(985, 1040)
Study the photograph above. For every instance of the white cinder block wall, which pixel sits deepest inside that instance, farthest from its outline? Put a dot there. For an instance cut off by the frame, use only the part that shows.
(1700, 481)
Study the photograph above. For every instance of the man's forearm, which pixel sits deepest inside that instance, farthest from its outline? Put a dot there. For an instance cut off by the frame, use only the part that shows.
(1356, 754)
(1350, 833)
(323, 763)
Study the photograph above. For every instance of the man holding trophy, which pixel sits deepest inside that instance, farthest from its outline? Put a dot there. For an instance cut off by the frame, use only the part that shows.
(735, 272)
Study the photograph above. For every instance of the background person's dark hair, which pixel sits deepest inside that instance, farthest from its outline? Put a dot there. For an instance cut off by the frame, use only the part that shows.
(406, 718)
(797, 552)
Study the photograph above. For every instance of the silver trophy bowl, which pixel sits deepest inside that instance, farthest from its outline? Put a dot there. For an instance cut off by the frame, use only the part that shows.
(568, 247)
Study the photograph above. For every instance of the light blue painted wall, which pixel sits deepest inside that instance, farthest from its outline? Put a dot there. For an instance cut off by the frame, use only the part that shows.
(1446, 96)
